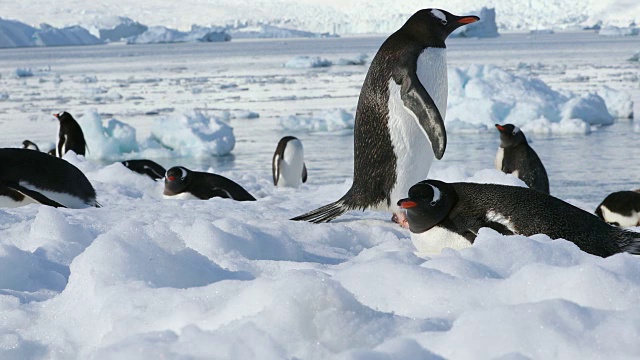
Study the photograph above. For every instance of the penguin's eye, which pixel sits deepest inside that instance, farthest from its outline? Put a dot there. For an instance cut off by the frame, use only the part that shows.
(433, 203)
(444, 22)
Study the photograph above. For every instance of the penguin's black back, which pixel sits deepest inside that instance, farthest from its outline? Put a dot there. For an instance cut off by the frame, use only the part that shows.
(146, 167)
(533, 212)
(621, 202)
(523, 158)
(71, 135)
(45, 172)
(205, 185)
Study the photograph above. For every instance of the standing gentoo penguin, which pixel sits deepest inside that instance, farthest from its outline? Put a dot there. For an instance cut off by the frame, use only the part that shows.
(28, 176)
(516, 157)
(202, 185)
(450, 214)
(146, 167)
(621, 208)
(288, 166)
(399, 124)
(28, 144)
(70, 136)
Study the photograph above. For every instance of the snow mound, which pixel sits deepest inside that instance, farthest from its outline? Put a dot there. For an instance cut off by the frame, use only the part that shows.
(485, 95)
(161, 34)
(264, 31)
(17, 34)
(120, 28)
(305, 62)
(618, 31)
(108, 141)
(483, 28)
(194, 134)
(327, 120)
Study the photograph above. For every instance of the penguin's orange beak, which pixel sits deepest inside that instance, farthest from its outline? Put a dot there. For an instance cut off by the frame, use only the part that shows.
(56, 115)
(407, 204)
(500, 127)
(468, 19)
(171, 178)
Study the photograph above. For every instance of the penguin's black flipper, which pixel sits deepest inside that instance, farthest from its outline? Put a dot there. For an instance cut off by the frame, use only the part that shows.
(33, 194)
(325, 213)
(275, 169)
(304, 173)
(417, 99)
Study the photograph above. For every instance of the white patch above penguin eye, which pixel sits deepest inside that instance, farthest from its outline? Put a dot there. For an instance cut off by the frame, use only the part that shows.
(436, 196)
(515, 130)
(184, 174)
(440, 15)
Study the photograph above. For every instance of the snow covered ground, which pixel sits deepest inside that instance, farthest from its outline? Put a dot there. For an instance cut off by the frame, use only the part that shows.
(220, 279)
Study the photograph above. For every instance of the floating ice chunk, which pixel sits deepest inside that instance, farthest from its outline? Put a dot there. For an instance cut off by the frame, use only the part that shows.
(483, 28)
(161, 34)
(110, 141)
(618, 31)
(117, 28)
(264, 31)
(356, 60)
(590, 108)
(194, 134)
(619, 103)
(635, 57)
(73, 35)
(22, 72)
(543, 125)
(4, 96)
(328, 120)
(303, 62)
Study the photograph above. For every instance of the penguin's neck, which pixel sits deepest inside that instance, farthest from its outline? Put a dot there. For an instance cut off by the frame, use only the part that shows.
(431, 69)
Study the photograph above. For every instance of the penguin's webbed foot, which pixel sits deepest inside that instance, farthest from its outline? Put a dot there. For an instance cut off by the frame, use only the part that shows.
(401, 219)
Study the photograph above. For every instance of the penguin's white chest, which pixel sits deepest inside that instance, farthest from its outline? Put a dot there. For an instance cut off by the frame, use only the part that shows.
(437, 238)
(7, 202)
(411, 145)
(289, 167)
(499, 158)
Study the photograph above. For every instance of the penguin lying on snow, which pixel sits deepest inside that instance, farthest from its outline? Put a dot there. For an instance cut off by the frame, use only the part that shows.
(621, 208)
(146, 167)
(450, 214)
(399, 124)
(28, 176)
(516, 157)
(288, 166)
(180, 180)
(70, 136)
(28, 144)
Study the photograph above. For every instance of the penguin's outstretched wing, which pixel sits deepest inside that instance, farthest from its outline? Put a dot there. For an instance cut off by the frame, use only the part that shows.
(38, 197)
(304, 173)
(419, 102)
(275, 169)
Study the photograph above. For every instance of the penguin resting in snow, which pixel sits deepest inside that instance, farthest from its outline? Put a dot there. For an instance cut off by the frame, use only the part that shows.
(516, 157)
(180, 181)
(146, 167)
(70, 136)
(620, 208)
(288, 166)
(28, 144)
(399, 123)
(28, 176)
(450, 214)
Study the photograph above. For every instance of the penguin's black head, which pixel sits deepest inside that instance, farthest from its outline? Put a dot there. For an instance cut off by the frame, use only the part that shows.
(429, 202)
(432, 26)
(510, 135)
(63, 116)
(176, 180)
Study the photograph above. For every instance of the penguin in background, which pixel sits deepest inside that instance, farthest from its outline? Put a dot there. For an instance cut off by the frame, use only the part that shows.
(288, 167)
(28, 176)
(450, 214)
(28, 144)
(145, 167)
(182, 182)
(621, 208)
(70, 136)
(399, 123)
(516, 157)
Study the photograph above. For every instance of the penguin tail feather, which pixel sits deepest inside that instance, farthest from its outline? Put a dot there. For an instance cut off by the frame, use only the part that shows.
(632, 245)
(325, 213)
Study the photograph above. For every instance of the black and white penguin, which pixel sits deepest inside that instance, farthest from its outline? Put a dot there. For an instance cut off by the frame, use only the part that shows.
(399, 124)
(450, 214)
(288, 166)
(28, 176)
(28, 144)
(70, 136)
(516, 157)
(184, 183)
(621, 208)
(146, 167)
